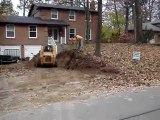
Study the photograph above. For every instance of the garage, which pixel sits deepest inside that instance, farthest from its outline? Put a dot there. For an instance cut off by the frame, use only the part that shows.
(31, 50)
(10, 50)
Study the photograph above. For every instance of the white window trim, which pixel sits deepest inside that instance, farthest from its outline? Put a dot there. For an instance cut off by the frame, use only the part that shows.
(69, 32)
(57, 14)
(6, 31)
(29, 32)
(74, 16)
(90, 35)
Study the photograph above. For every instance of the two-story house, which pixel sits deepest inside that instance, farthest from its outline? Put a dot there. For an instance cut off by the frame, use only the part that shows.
(24, 36)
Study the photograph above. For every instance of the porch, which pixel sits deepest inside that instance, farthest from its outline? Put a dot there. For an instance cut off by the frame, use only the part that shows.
(58, 34)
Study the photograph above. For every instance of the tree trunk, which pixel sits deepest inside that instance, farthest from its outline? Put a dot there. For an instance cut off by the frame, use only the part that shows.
(138, 23)
(24, 7)
(87, 22)
(116, 13)
(127, 16)
(151, 10)
(99, 31)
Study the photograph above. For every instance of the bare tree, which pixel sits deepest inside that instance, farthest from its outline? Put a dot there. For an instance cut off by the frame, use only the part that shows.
(6, 8)
(127, 8)
(87, 21)
(116, 14)
(138, 22)
(99, 31)
(25, 5)
(147, 9)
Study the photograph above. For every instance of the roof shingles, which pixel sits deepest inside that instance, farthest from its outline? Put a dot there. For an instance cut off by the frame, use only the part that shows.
(51, 6)
(145, 26)
(58, 6)
(30, 20)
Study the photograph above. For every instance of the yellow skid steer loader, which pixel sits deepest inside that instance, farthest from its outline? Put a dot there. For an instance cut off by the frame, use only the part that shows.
(47, 55)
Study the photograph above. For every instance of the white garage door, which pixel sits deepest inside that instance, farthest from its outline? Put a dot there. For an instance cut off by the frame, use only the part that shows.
(31, 50)
(10, 50)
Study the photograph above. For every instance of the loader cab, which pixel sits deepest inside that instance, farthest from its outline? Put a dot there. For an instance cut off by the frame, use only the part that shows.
(48, 48)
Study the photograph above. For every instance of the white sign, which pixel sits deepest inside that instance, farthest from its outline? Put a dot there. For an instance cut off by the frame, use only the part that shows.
(136, 55)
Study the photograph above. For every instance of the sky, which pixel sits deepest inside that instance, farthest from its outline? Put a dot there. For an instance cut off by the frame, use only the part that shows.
(15, 3)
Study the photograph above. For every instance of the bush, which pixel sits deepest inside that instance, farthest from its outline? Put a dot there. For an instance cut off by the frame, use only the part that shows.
(108, 34)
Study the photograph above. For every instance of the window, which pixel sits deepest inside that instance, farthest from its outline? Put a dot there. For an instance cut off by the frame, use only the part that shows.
(13, 52)
(72, 32)
(10, 31)
(54, 14)
(33, 31)
(72, 15)
(89, 34)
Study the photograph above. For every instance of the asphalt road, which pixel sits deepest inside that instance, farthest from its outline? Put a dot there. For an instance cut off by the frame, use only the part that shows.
(141, 105)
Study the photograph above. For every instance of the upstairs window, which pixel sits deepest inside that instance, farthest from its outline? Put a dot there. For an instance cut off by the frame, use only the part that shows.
(72, 33)
(72, 15)
(32, 31)
(10, 31)
(54, 14)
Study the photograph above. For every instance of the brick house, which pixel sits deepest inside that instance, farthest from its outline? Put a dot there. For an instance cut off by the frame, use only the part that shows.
(151, 31)
(24, 36)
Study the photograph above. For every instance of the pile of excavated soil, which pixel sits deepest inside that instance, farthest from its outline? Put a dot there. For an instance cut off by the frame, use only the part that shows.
(65, 57)
(74, 59)
(31, 63)
(77, 60)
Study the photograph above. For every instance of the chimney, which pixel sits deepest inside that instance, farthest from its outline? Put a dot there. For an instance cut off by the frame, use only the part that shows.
(71, 2)
(92, 5)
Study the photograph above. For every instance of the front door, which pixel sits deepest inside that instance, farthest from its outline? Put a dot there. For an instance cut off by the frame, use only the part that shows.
(54, 33)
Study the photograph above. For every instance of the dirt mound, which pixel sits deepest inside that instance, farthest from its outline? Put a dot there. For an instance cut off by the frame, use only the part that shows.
(62, 58)
(74, 59)
(31, 63)
(65, 57)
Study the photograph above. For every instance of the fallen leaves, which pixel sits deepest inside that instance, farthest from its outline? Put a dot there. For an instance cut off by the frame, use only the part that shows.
(145, 72)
